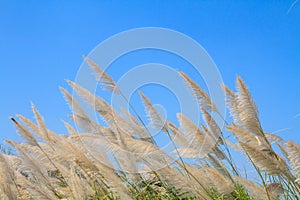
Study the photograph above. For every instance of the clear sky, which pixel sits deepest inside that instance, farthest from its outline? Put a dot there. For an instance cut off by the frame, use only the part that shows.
(41, 43)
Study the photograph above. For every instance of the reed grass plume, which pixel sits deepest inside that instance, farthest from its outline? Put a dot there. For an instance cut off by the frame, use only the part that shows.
(119, 159)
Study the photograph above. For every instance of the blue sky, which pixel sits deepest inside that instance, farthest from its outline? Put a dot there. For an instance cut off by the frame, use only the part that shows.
(41, 43)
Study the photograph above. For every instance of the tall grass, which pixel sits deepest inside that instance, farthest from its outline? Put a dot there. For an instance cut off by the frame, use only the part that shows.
(122, 160)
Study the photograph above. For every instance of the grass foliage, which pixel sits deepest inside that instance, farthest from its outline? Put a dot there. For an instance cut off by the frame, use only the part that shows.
(122, 161)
